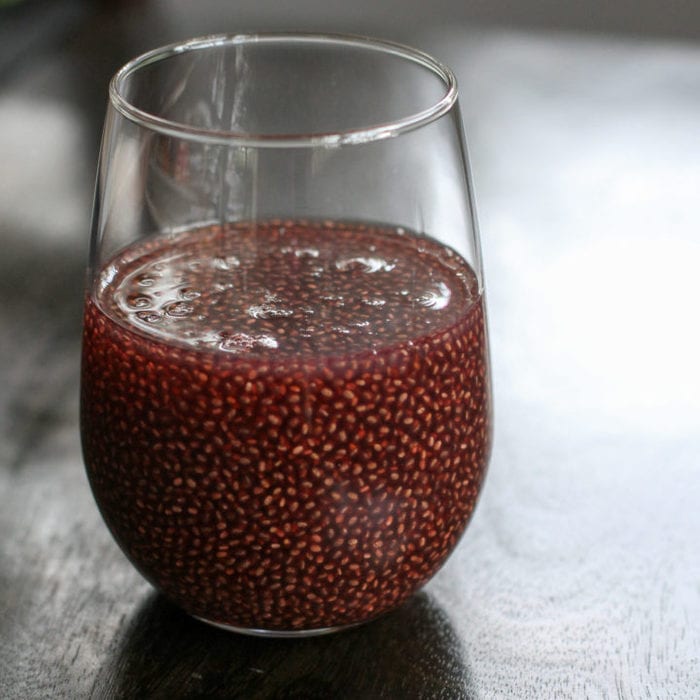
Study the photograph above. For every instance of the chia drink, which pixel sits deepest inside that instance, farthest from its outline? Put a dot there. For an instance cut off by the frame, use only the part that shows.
(286, 425)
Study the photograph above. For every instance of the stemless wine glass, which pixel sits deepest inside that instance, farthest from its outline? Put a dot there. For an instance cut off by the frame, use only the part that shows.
(285, 408)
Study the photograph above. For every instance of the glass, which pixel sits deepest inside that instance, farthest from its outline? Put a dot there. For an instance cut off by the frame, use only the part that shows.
(285, 403)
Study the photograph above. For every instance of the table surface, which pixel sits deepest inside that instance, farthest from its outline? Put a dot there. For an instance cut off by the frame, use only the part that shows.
(580, 573)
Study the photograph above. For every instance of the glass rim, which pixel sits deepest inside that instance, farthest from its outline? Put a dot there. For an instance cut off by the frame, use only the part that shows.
(360, 135)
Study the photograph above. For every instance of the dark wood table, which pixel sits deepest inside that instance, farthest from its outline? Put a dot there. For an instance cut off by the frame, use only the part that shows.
(579, 576)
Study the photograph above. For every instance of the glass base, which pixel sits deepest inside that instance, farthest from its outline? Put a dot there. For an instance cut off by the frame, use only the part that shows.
(279, 634)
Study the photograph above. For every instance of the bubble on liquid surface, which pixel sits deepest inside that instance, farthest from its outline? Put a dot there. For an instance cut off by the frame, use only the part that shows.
(245, 342)
(436, 298)
(224, 263)
(268, 311)
(145, 280)
(270, 308)
(178, 309)
(139, 301)
(189, 294)
(365, 264)
(374, 301)
(306, 253)
(149, 316)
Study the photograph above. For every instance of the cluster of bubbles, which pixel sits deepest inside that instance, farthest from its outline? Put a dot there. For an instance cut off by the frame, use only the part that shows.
(163, 295)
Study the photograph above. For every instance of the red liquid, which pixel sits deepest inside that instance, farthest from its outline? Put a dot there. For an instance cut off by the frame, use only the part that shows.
(286, 427)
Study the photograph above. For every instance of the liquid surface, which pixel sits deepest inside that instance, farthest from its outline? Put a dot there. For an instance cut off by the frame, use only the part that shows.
(294, 289)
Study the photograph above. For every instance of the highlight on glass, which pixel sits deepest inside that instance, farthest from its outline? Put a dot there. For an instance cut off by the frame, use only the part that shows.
(285, 393)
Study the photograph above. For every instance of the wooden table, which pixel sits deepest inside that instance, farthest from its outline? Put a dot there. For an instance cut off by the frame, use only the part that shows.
(579, 576)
